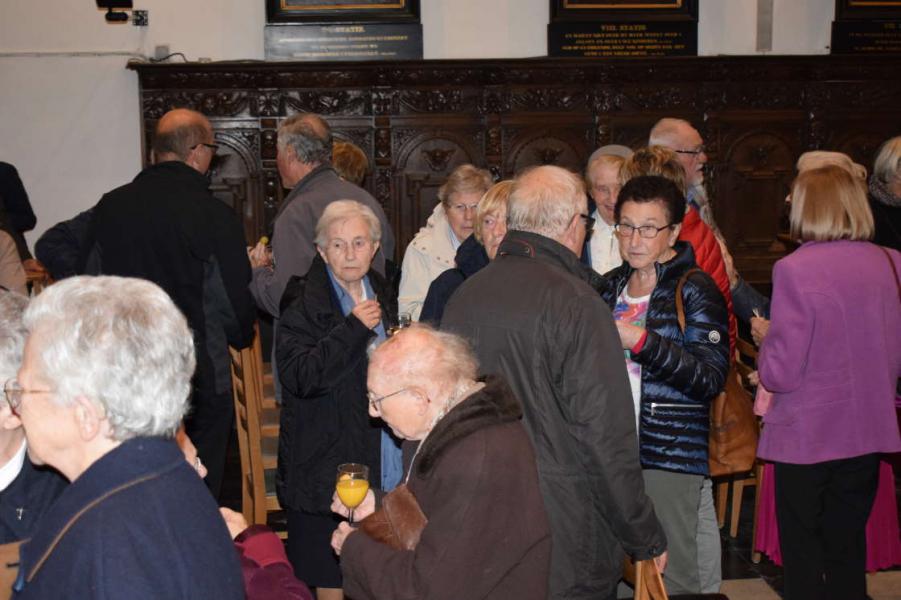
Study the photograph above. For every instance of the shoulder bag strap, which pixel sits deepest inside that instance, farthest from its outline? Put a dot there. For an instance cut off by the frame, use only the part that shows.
(680, 303)
(78, 515)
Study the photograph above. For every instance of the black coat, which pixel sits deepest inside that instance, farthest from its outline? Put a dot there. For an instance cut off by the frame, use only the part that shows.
(680, 374)
(26, 499)
(16, 214)
(471, 257)
(533, 318)
(166, 227)
(886, 224)
(322, 362)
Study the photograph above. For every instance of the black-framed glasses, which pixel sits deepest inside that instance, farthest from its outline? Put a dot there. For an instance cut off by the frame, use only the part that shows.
(697, 151)
(649, 232)
(213, 147)
(376, 401)
(14, 392)
(589, 224)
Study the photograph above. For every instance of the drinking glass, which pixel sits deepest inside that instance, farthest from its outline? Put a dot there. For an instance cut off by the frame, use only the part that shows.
(352, 485)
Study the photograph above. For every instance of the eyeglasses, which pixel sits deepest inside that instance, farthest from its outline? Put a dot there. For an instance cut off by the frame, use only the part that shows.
(14, 392)
(646, 231)
(213, 147)
(699, 150)
(376, 401)
(589, 224)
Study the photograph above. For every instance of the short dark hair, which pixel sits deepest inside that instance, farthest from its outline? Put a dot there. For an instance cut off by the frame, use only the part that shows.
(653, 188)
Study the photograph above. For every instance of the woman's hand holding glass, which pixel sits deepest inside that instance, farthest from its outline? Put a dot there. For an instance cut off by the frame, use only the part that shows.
(363, 510)
(369, 312)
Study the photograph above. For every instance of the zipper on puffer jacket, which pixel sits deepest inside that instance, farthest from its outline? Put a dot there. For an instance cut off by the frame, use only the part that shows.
(655, 405)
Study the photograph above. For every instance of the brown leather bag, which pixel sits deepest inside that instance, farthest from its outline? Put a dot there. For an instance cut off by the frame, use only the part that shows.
(9, 568)
(399, 522)
(732, 445)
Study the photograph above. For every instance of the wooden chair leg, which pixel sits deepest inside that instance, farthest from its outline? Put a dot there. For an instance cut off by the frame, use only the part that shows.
(722, 493)
(738, 488)
(758, 476)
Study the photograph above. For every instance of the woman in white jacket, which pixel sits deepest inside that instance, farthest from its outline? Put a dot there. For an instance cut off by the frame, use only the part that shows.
(433, 249)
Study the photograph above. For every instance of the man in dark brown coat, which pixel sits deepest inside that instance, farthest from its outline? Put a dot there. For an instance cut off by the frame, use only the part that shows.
(472, 470)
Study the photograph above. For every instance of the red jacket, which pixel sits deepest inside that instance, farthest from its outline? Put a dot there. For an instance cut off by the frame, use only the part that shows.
(267, 572)
(710, 260)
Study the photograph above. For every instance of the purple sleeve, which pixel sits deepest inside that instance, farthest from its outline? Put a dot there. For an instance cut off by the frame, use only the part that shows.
(267, 572)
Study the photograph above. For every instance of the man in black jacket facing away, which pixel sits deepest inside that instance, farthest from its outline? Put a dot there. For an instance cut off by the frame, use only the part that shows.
(165, 226)
(534, 317)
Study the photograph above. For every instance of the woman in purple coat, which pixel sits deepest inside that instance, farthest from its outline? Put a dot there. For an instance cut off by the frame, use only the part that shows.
(832, 358)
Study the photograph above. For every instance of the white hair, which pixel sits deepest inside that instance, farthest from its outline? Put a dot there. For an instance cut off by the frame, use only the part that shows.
(666, 131)
(544, 200)
(343, 210)
(119, 342)
(12, 333)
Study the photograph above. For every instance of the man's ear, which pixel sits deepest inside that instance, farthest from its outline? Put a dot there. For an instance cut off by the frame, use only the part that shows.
(89, 417)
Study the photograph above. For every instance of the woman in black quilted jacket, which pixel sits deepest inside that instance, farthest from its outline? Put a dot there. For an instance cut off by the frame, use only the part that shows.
(675, 374)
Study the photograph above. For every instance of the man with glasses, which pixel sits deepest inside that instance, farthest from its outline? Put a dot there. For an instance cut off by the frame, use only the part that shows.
(535, 316)
(166, 227)
(26, 491)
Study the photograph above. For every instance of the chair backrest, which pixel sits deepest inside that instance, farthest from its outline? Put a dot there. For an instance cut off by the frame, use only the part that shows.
(247, 386)
(646, 579)
(745, 359)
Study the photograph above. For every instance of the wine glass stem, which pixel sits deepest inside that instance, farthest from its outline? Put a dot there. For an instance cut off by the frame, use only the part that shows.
(350, 517)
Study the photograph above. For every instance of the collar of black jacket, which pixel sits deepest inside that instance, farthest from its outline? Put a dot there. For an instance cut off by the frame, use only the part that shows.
(471, 256)
(176, 168)
(671, 269)
(533, 245)
(494, 404)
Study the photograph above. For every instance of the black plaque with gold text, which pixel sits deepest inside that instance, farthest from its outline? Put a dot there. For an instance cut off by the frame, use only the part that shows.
(609, 40)
(342, 42)
(866, 37)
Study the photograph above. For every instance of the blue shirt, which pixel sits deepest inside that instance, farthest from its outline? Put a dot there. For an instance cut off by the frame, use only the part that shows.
(391, 467)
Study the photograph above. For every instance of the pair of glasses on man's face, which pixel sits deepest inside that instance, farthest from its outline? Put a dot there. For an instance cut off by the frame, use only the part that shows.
(213, 147)
(13, 392)
(694, 152)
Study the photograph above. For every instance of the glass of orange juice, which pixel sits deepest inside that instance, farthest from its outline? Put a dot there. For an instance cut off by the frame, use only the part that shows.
(352, 485)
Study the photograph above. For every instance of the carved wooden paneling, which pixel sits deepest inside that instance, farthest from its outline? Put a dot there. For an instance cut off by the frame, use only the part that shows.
(417, 120)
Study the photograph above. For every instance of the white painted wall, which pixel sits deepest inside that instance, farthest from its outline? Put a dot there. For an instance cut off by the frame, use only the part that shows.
(71, 123)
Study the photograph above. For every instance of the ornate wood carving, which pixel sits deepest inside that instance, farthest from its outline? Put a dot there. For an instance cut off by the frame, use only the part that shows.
(417, 120)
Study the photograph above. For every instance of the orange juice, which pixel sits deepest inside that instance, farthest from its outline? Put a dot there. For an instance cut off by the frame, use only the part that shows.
(352, 491)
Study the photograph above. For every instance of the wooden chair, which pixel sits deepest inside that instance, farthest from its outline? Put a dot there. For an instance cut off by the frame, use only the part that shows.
(645, 578)
(745, 361)
(257, 420)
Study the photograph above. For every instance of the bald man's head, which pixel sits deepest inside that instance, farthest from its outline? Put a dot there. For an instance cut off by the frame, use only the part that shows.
(178, 132)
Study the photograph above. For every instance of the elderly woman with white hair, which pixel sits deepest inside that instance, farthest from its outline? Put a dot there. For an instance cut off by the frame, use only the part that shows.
(329, 318)
(26, 491)
(102, 389)
(470, 468)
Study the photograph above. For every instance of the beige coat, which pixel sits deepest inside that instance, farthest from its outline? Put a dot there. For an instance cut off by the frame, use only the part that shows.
(12, 273)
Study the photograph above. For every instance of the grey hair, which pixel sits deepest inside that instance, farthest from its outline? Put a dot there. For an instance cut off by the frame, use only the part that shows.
(440, 353)
(887, 167)
(120, 342)
(12, 333)
(309, 135)
(544, 200)
(342, 210)
(666, 130)
(465, 179)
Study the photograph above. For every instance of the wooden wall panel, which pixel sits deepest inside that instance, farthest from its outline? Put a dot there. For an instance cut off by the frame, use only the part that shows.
(417, 120)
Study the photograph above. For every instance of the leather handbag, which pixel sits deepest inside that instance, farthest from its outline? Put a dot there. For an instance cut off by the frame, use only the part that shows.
(732, 445)
(9, 568)
(399, 522)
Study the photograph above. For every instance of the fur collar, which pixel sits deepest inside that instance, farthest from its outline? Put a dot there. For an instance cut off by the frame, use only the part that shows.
(494, 404)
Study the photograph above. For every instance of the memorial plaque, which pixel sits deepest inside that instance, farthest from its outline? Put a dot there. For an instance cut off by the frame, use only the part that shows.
(623, 28)
(609, 40)
(340, 42)
(352, 11)
(866, 37)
